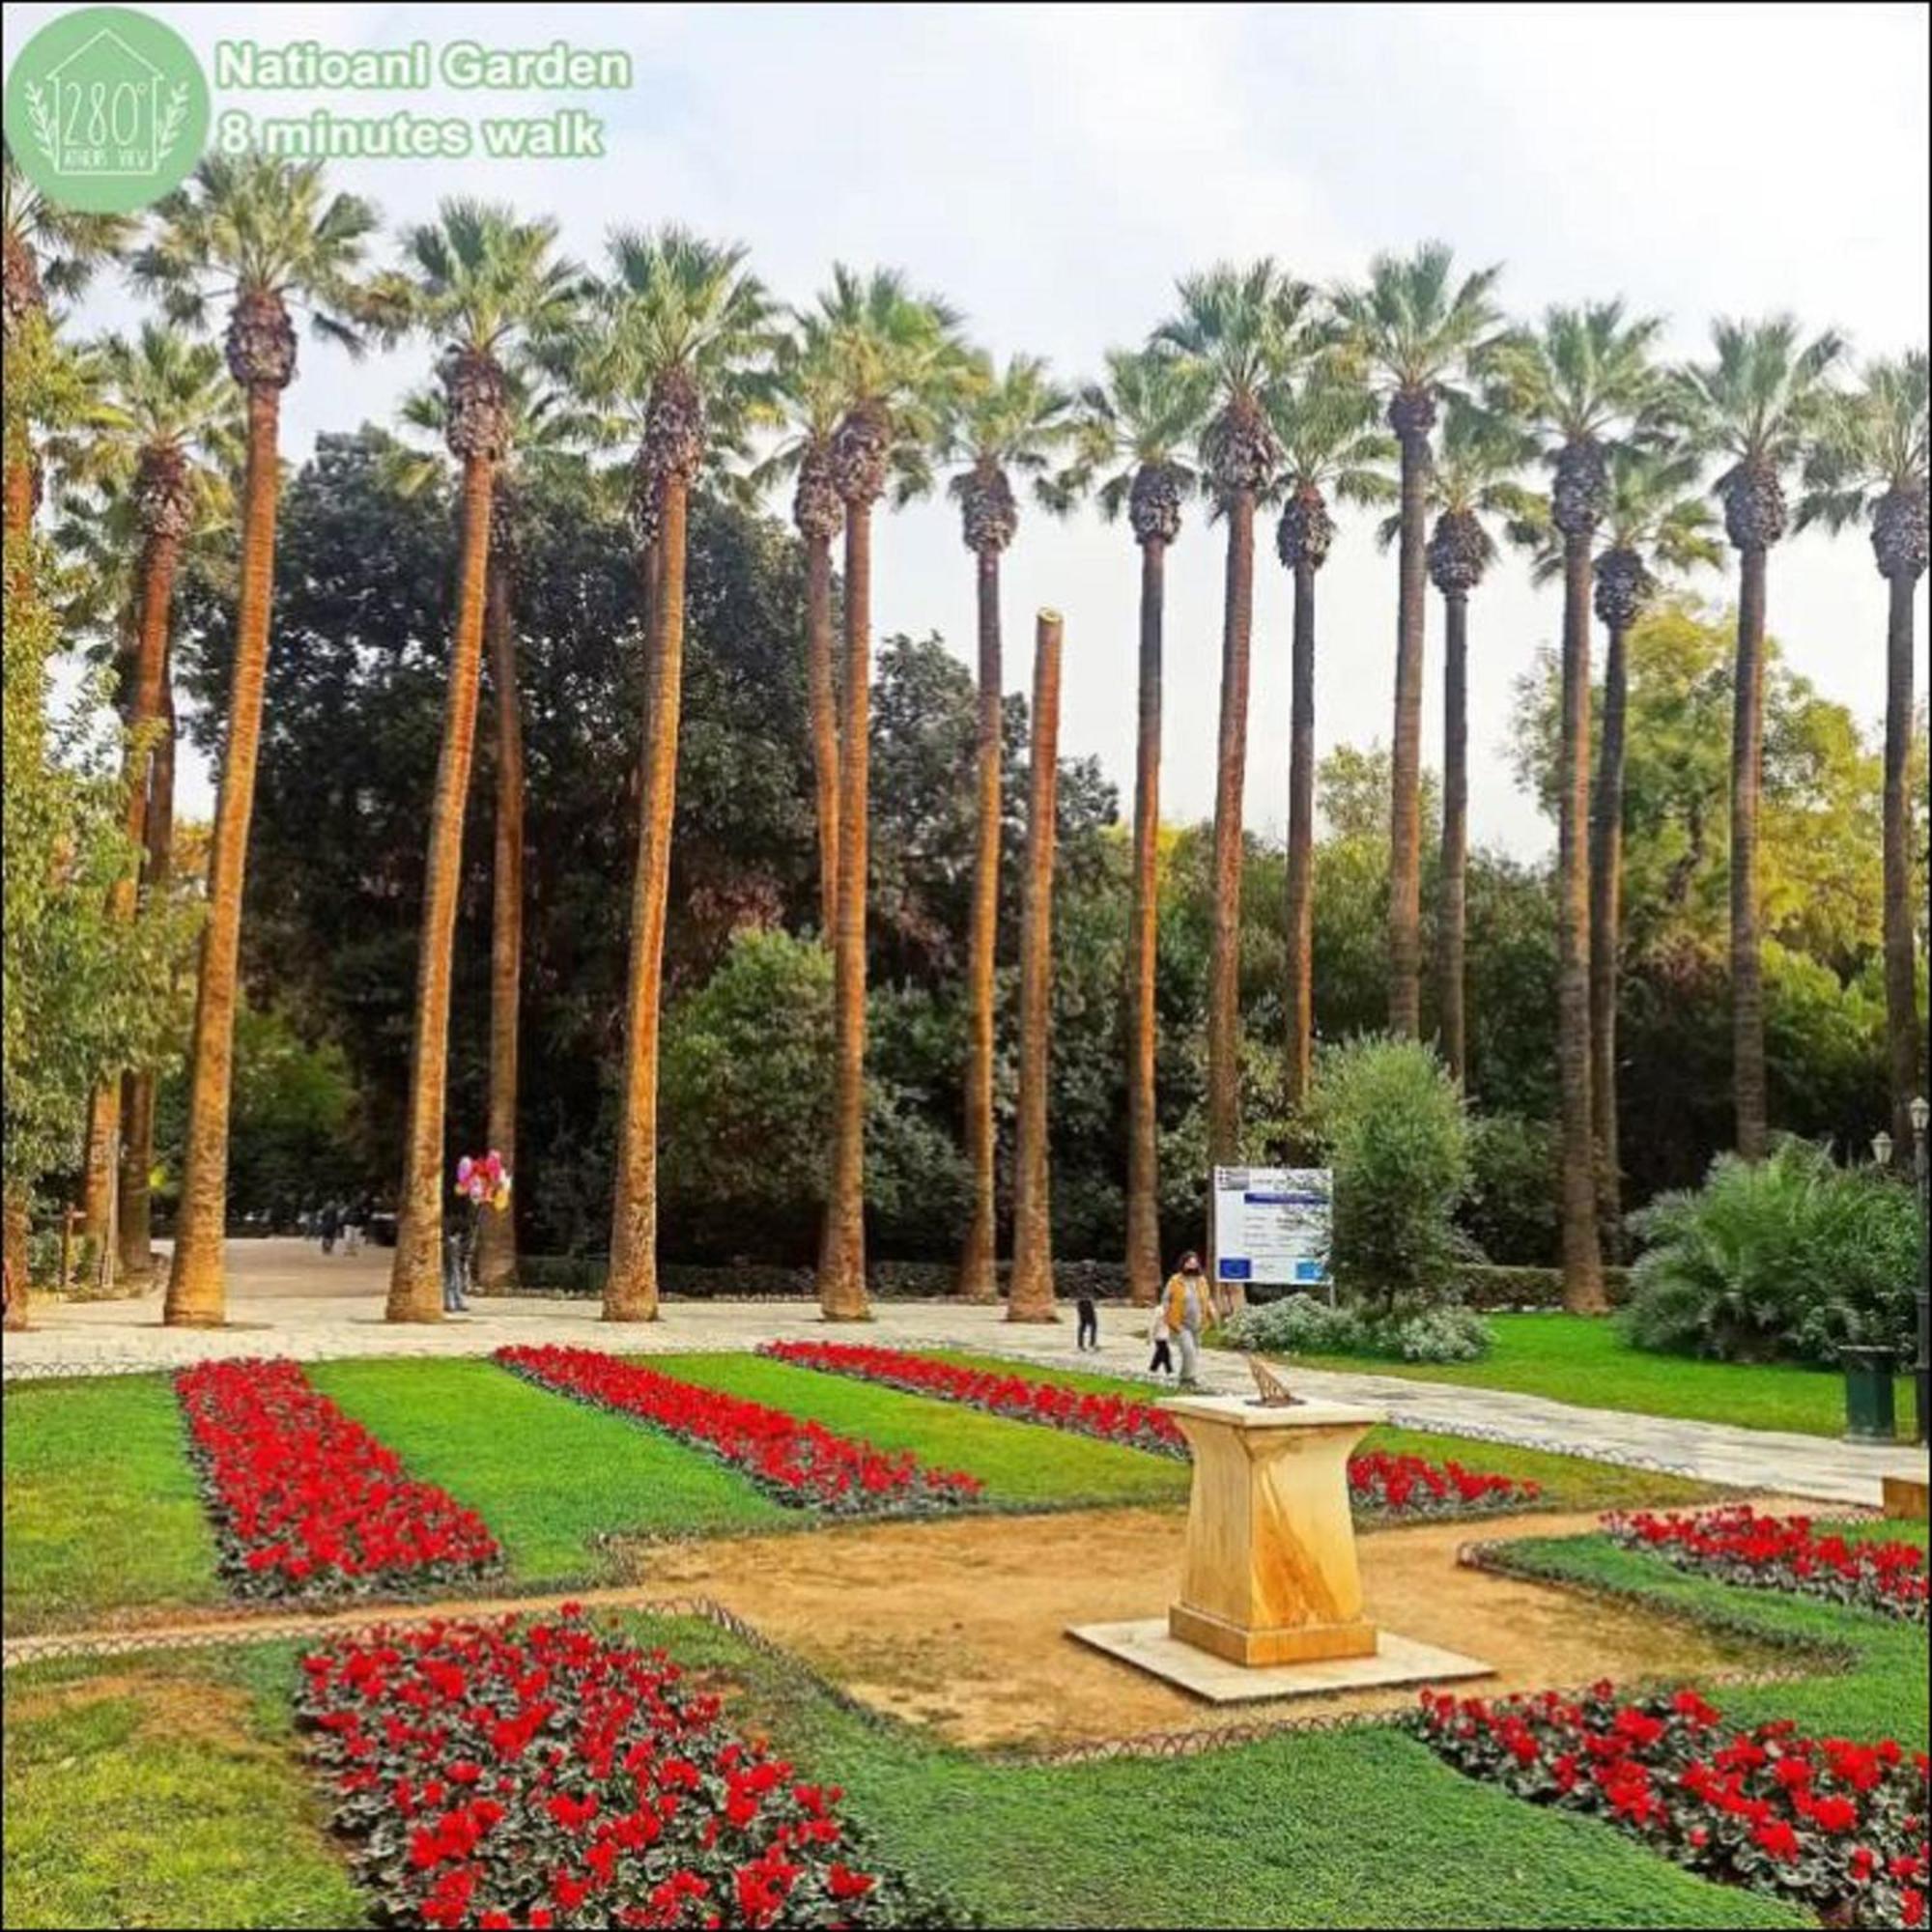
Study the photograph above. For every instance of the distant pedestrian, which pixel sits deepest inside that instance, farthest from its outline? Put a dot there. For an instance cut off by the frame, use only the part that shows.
(355, 1219)
(331, 1226)
(1187, 1304)
(455, 1274)
(1089, 1336)
(1162, 1363)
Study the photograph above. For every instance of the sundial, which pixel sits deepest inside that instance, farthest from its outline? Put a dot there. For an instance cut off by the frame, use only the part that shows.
(1274, 1392)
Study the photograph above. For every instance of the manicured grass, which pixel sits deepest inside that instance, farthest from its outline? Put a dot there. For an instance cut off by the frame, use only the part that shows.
(114, 1818)
(1020, 1464)
(102, 1509)
(1568, 1482)
(548, 1475)
(162, 1791)
(1884, 1694)
(1574, 1358)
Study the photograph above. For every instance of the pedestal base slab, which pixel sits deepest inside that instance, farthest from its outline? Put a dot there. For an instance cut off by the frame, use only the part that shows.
(1148, 1645)
(1255, 1646)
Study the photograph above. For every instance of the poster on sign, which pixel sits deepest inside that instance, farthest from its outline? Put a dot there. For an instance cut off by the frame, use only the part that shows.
(1272, 1226)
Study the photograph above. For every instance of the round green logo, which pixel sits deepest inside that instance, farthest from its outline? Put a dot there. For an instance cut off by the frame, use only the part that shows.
(106, 109)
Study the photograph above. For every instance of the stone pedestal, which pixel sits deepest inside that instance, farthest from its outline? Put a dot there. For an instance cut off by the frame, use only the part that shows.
(1270, 1575)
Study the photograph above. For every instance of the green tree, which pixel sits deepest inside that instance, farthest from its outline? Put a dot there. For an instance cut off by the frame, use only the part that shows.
(1758, 405)
(264, 235)
(1416, 331)
(1871, 463)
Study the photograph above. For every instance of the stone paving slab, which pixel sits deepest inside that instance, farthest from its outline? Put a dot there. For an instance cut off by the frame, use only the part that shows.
(287, 1300)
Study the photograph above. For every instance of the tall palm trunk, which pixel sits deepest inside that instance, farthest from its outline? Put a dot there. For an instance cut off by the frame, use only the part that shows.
(18, 1220)
(1031, 1295)
(631, 1287)
(977, 1280)
(822, 689)
(1404, 943)
(1747, 1075)
(841, 1266)
(19, 490)
(497, 1236)
(1299, 910)
(196, 1281)
(159, 558)
(1144, 1275)
(1582, 1262)
(1903, 1039)
(415, 1278)
(1224, 959)
(137, 1089)
(1607, 860)
(1453, 903)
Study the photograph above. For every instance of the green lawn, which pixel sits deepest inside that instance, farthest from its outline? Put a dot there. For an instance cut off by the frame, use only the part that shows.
(102, 1508)
(547, 1474)
(1574, 1358)
(1568, 1482)
(1022, 1464)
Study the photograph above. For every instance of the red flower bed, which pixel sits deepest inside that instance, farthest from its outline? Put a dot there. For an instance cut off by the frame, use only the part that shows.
(1397, 1485)
(1735, 1545)
(1833, 1826)
(543, 1774)
(797, 1462)
(1113, 1418)
(307, 1503)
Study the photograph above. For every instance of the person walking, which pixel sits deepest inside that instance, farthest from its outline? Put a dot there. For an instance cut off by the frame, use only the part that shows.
(455, 1272)
(331, 1226)
(1087, 1338)
(1187, 1307)
(1162, 1361)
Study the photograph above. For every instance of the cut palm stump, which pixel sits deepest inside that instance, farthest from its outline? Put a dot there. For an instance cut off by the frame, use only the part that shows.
(1270, 1599)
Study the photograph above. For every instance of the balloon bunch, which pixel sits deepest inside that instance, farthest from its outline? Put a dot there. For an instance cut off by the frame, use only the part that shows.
(484, 1180)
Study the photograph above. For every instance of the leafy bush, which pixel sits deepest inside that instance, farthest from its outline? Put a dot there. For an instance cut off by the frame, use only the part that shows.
(1390, 1122)
(1301, 1325)
(1511, 1208)
(1789, 1258)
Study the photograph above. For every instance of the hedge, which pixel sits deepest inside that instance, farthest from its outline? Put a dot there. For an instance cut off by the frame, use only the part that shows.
(761, 1281)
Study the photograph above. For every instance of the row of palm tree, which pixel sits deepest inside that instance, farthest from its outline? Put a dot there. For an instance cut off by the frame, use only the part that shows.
(1259, 392)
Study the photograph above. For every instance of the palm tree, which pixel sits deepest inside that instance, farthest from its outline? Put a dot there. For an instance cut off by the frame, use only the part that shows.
(543, 435)
(1137, 426)
(1472, 482)
(1006, 421)
(168, 428)
(1580, 382)
(1415, 330)
(48, 254)
(1031, 1299)
(1759, 403)
(1870, 461)
(1247, 331)
(899, 363)
(264, 236)
(679, 339)
(810, 396)
(484, 281)
(1330, 447)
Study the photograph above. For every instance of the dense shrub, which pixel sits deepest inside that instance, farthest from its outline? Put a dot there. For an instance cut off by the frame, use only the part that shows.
(1389, 1121)
(1511, 1208)
(1481, 1285)
(758, 1281)
(1788, 1258)
(1304, 1327)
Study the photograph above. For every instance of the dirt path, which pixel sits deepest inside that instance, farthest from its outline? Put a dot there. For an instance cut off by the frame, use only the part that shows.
(962, 1626)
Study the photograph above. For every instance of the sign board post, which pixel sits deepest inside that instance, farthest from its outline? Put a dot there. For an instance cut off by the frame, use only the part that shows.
(1272, 1227)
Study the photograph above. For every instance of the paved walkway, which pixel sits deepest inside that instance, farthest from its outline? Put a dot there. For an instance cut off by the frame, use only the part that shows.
(285, 1299)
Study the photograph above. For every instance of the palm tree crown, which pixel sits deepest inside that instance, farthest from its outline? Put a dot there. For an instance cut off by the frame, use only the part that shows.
(1136, 428)
(1762, 399)
(1472, 482)
(1247, 331)
(1326, 425)
(1414, 329)
(1582, 381)
(483, 279)
(266, 235)
(1870, 461)
(50, 251)
(1003, 421)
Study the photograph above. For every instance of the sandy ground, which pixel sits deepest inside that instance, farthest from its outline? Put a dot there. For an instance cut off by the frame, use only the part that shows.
(962, 1626)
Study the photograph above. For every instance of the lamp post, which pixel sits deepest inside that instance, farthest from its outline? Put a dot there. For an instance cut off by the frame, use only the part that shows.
(1919, 1113)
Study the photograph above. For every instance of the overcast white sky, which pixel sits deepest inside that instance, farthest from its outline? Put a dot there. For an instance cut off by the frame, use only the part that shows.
(1051, 170)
